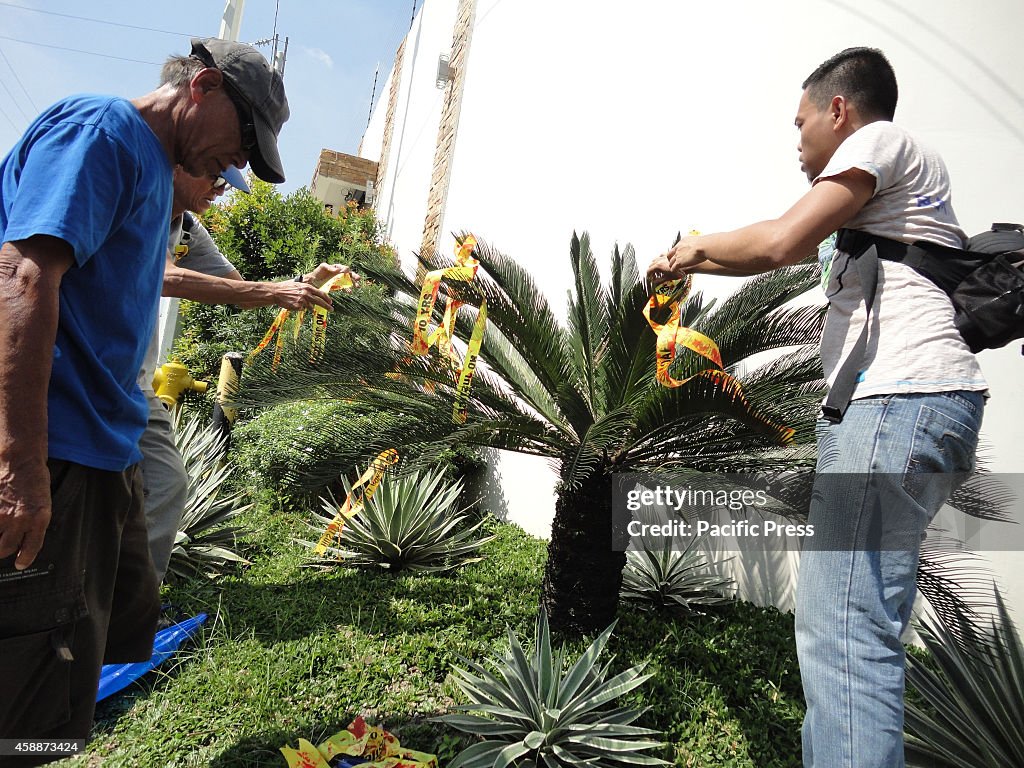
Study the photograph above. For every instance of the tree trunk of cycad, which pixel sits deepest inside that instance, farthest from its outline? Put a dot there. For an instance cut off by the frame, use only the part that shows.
(583, 572)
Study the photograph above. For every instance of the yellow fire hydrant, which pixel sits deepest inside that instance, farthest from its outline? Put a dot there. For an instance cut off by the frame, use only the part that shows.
(171, 380)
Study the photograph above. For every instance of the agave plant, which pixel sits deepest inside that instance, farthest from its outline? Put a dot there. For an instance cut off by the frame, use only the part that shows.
(540, 712)
(664, 577)
(205, 543)
(581, 393)
(412, 523)
(974, 694)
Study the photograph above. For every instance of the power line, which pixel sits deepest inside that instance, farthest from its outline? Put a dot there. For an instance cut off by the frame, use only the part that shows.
(77, 50)
(13, 101)
(16, 131)
(97, 21)
(11, 67)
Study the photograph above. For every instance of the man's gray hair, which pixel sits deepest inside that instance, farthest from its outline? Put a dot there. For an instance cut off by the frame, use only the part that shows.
(179, 70)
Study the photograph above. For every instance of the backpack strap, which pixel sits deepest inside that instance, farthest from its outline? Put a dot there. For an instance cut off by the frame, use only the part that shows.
(943, 265)
(863, 249)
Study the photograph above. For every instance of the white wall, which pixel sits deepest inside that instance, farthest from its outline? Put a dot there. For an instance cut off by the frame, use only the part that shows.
(635, 120)
(401, 202)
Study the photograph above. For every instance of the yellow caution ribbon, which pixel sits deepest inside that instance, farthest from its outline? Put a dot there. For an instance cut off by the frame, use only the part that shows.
(673, 337)
(319, 342)
(464, 270)
(461, 406)
(274, 330)
(354, 502)
(359, 740)
(320, 315)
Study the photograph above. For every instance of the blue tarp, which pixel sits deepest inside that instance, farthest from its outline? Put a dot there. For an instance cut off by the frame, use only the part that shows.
(115, 677)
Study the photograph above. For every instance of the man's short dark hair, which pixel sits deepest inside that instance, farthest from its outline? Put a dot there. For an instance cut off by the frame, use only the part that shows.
(179, 70)
(861, 75)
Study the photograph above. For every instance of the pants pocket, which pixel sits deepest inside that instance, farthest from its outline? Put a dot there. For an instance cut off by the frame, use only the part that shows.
(941, 457)
(36, 673)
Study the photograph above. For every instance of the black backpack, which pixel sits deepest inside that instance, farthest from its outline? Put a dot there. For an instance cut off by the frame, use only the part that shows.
(984, 282)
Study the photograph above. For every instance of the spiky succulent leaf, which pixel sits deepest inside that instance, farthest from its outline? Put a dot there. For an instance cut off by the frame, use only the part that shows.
(974, 693)
(539, 710)
(411, 523)
(661, 577)
(205, 543)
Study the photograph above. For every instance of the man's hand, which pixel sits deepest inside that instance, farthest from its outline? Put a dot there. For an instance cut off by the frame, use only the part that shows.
(24, 513)
(291, 294)
(681, 258)
(325, 272)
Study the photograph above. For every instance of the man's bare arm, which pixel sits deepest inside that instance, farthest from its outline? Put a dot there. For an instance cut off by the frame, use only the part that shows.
(232, 289)
(771, 244)
(30, 275)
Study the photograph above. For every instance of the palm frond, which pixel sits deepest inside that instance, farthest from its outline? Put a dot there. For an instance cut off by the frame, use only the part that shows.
(604, 436)
(957, 584)
(588, 315)
(759, 296)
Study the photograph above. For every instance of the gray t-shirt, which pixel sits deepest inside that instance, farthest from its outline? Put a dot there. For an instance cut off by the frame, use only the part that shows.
(202, 255)
(913, 345)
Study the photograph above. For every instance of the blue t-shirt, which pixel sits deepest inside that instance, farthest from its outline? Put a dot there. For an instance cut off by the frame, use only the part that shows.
(90, 171)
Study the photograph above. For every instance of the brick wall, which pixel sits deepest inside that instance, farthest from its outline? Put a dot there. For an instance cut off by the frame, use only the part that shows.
(389, 117)
(338, 165)
(448, 128)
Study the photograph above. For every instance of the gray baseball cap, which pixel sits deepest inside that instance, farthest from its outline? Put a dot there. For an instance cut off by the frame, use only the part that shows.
(262, 90)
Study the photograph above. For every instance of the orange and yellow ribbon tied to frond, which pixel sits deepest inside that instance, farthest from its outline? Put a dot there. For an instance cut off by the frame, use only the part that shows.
(464, 270)
(320, 315)
(673, 337)
(362, 743)
(354, 501)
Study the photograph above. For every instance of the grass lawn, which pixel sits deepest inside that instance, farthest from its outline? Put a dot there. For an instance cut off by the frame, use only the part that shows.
(293, 652)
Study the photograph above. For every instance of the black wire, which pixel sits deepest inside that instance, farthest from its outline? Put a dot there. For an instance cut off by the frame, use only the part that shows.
(16, 104)
(97, 21)
(16, 131)
(78, 50)
(27, 96)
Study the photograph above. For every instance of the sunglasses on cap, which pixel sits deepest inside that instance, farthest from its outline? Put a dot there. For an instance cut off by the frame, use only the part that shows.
(245, 121)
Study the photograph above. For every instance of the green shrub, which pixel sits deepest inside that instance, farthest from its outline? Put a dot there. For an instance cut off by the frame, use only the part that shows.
(301, 450)
(269, 236)
(296, 450)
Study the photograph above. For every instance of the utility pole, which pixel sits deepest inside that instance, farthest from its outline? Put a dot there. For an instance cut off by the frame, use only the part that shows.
(280, 56)
(231, 22)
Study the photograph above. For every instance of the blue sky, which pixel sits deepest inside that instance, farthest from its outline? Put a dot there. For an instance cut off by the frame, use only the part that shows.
(334, 47)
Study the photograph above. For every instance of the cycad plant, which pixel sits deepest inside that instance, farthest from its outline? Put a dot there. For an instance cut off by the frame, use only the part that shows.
(412, 523)
(538, 711)
(205, 542)
(973, 689)
(580, 393)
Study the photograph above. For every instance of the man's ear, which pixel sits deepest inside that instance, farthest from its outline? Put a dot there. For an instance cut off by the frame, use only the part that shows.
(839, 112)
(204, 81)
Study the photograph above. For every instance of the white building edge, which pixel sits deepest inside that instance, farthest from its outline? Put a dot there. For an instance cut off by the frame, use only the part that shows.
(523, 121)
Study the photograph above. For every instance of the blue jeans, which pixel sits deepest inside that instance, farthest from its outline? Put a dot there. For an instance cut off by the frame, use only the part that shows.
(882, 475)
